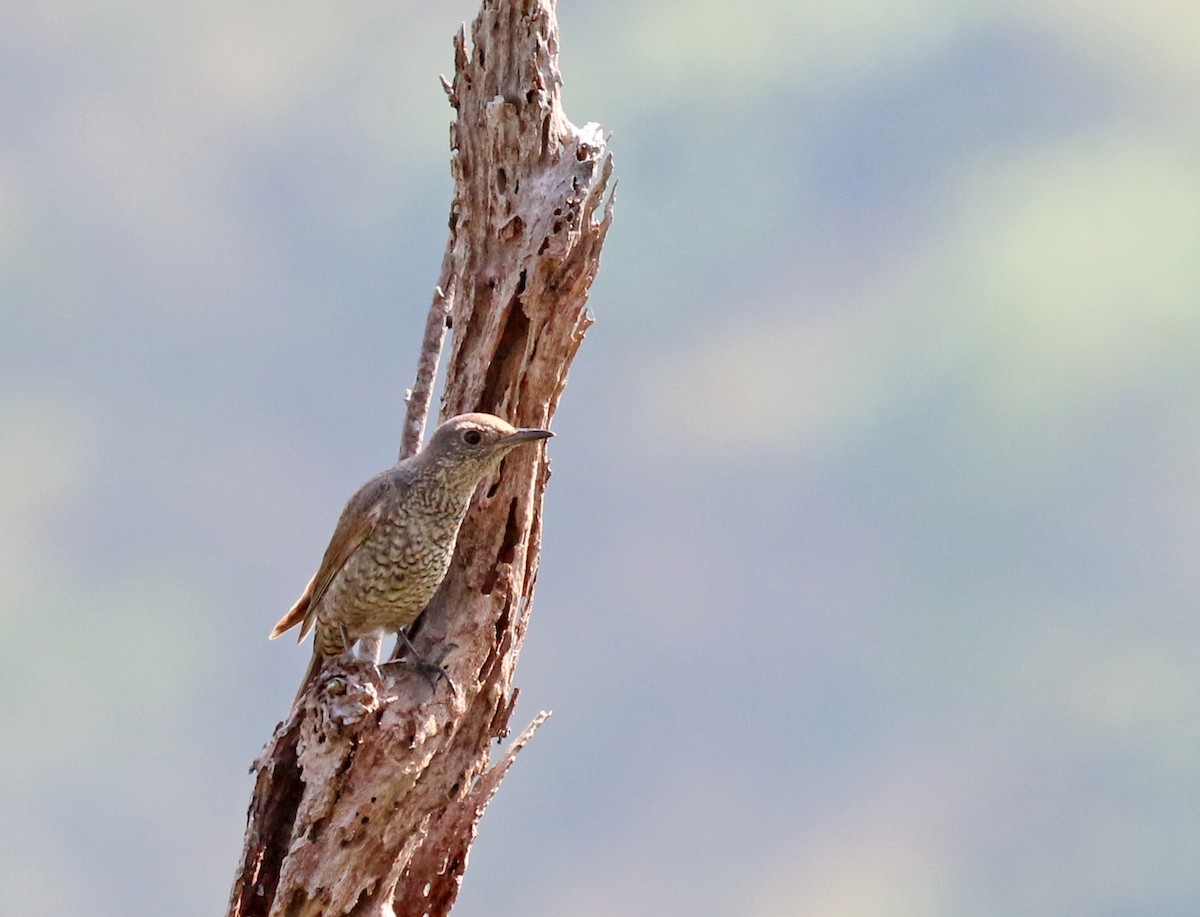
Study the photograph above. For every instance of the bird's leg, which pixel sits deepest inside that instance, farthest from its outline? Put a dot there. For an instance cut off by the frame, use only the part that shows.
(369, 647)
(404, 647)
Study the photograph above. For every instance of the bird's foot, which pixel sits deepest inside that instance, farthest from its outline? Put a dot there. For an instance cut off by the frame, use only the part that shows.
(432, 671)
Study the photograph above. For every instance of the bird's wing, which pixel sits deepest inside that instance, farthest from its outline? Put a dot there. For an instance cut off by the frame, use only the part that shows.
(358, 520)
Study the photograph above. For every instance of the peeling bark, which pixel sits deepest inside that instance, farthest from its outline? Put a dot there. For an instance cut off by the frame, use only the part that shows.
(369, 795)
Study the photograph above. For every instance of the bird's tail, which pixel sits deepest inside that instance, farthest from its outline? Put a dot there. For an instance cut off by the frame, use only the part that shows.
(310, 675)
(296, 614)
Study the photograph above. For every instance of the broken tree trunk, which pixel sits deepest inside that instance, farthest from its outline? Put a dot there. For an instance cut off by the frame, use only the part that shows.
(369, 795)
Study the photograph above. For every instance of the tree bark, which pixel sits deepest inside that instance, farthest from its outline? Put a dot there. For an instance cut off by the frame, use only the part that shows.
(369, 795)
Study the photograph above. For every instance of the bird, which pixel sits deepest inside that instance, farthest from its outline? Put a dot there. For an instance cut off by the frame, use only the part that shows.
(392, 545)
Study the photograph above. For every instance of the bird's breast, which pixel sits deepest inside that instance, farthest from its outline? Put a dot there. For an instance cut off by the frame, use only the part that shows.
(392, 575)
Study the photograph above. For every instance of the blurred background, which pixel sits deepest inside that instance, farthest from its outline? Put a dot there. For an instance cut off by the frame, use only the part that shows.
(870, 573)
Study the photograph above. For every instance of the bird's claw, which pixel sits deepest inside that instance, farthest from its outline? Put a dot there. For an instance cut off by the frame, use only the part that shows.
(430, 671)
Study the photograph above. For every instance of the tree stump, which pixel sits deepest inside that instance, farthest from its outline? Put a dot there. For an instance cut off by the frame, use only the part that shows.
(369, 795)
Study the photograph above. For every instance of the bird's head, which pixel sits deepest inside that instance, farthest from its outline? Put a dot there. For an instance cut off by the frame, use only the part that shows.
(475, 443)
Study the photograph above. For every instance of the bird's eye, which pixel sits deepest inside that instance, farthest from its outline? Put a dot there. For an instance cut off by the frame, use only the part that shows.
(472, 437)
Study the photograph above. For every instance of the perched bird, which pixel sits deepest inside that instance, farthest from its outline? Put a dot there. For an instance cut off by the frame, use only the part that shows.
(394, 540)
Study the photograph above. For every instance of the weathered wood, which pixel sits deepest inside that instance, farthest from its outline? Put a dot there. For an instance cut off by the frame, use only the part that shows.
(368, 797)
(419, 398)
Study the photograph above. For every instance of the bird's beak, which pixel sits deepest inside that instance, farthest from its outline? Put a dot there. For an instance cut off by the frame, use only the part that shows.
(526, 436)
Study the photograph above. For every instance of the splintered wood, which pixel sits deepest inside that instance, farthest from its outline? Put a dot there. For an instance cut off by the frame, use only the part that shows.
(368, 797)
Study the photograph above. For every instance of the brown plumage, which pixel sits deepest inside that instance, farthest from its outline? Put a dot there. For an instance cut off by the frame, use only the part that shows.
(393, 543)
